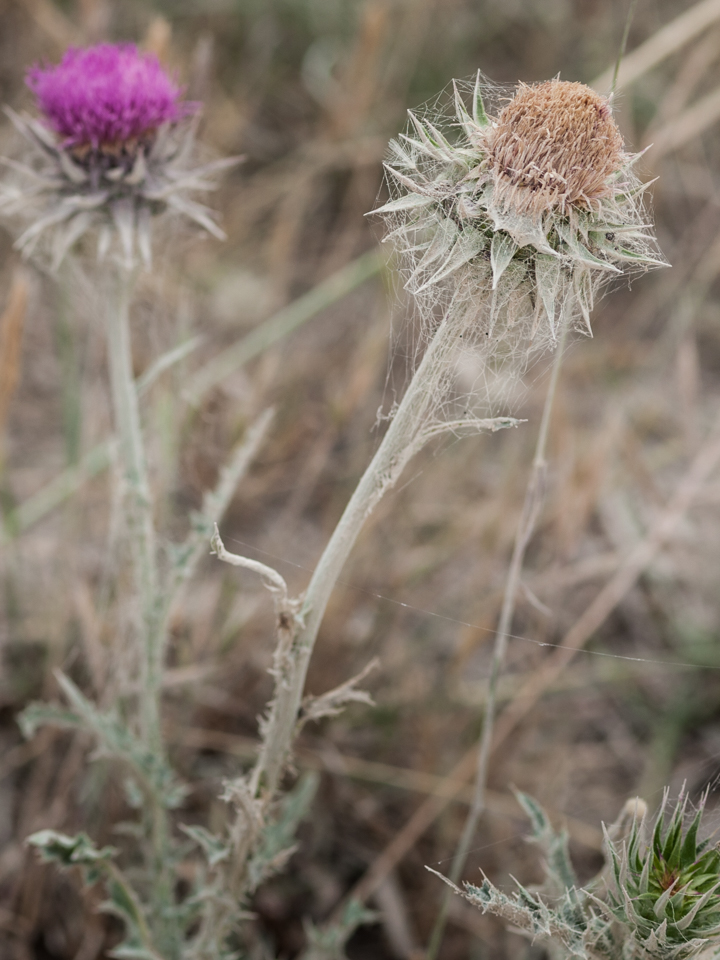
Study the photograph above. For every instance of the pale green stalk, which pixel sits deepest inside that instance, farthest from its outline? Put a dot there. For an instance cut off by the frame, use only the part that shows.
(137, 505)
(534, 495)
(136, 499)
(409, 430)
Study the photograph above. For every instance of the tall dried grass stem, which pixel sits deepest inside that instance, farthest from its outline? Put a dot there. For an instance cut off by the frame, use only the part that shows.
(699, 472)
(594, 616)
(661, 45)
(12, 323)
(96, 460)
(534, 497)
(215, 503)
(691, 122)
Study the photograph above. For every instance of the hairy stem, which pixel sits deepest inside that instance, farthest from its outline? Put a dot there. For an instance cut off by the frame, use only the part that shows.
(136, 499)
(534, 496)
(408, 432)
(137, 507)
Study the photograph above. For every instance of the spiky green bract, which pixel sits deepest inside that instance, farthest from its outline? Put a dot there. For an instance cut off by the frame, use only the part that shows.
(663, 902)
(558, 912)
(464, 220)
(59, 194)
(667, 890)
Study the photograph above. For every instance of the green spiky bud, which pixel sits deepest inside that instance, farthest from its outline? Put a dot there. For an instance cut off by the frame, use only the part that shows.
(667, 890)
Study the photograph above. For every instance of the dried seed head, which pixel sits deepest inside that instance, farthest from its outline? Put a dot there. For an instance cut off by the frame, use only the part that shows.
(554, 146)
(530, 208)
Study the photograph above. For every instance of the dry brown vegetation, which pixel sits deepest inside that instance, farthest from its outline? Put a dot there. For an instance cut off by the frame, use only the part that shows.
(626, 559)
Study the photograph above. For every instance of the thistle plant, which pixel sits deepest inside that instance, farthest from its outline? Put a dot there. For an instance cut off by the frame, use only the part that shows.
(505, 230)
(533, 206)
(658, 897)
(111, 155)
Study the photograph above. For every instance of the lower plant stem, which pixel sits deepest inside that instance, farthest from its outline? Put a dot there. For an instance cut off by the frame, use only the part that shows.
(407, 433)
(137, 502)
(534, 496)
(141, 534)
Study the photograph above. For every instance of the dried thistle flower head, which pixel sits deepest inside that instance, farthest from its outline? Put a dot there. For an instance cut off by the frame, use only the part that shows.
(528, 213)
(114, 149)
(554, 146)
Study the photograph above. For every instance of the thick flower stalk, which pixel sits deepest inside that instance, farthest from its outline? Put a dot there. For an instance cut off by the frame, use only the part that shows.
(502, 237)
(113, 149)
(112, 153)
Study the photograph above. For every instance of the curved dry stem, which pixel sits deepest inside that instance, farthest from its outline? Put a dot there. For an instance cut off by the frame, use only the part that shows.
(411, 428)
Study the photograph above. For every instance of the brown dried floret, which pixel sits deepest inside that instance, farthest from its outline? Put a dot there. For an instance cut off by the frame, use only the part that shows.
(554, 146)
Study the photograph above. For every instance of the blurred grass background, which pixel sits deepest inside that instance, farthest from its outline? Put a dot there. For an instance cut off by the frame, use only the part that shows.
(310, 91)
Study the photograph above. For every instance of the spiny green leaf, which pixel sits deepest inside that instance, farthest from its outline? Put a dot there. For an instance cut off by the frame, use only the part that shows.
(547, 276)
(68, 851)
(479, 114)
(469, 244)
(37, 715)
(502, 249)
(214, 848)
(409, 202)
(538, 818)
(463, 116)
(688, 852)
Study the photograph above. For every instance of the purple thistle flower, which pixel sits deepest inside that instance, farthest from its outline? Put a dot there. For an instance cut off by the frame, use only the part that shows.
(109, 156)
(106, 95)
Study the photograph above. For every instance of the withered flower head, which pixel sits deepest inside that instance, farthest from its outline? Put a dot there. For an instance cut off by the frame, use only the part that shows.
(113, 149)
(554, 146)
(529, 211)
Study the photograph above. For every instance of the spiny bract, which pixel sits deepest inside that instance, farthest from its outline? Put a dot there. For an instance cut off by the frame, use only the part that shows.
(667, 891)
(114, 149)
(540, 200)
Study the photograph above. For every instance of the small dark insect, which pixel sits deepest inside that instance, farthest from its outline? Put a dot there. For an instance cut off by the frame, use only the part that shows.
(609, 236)
(284, 622)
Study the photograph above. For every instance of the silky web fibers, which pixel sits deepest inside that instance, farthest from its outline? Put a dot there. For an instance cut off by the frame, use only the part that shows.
(506, 279)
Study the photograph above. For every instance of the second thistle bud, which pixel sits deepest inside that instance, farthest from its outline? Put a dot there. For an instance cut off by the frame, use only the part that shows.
(666, 891)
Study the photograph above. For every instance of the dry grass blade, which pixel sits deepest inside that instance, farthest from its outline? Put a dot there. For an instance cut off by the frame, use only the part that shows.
(699, 472)
(282, 323)
(11, 330)
(662, 44)
(372, 771)
(689, 124)
(52, 22)
(687, 491)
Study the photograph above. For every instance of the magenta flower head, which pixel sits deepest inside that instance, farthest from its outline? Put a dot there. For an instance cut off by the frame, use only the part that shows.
(107, 94)
(112, 152)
